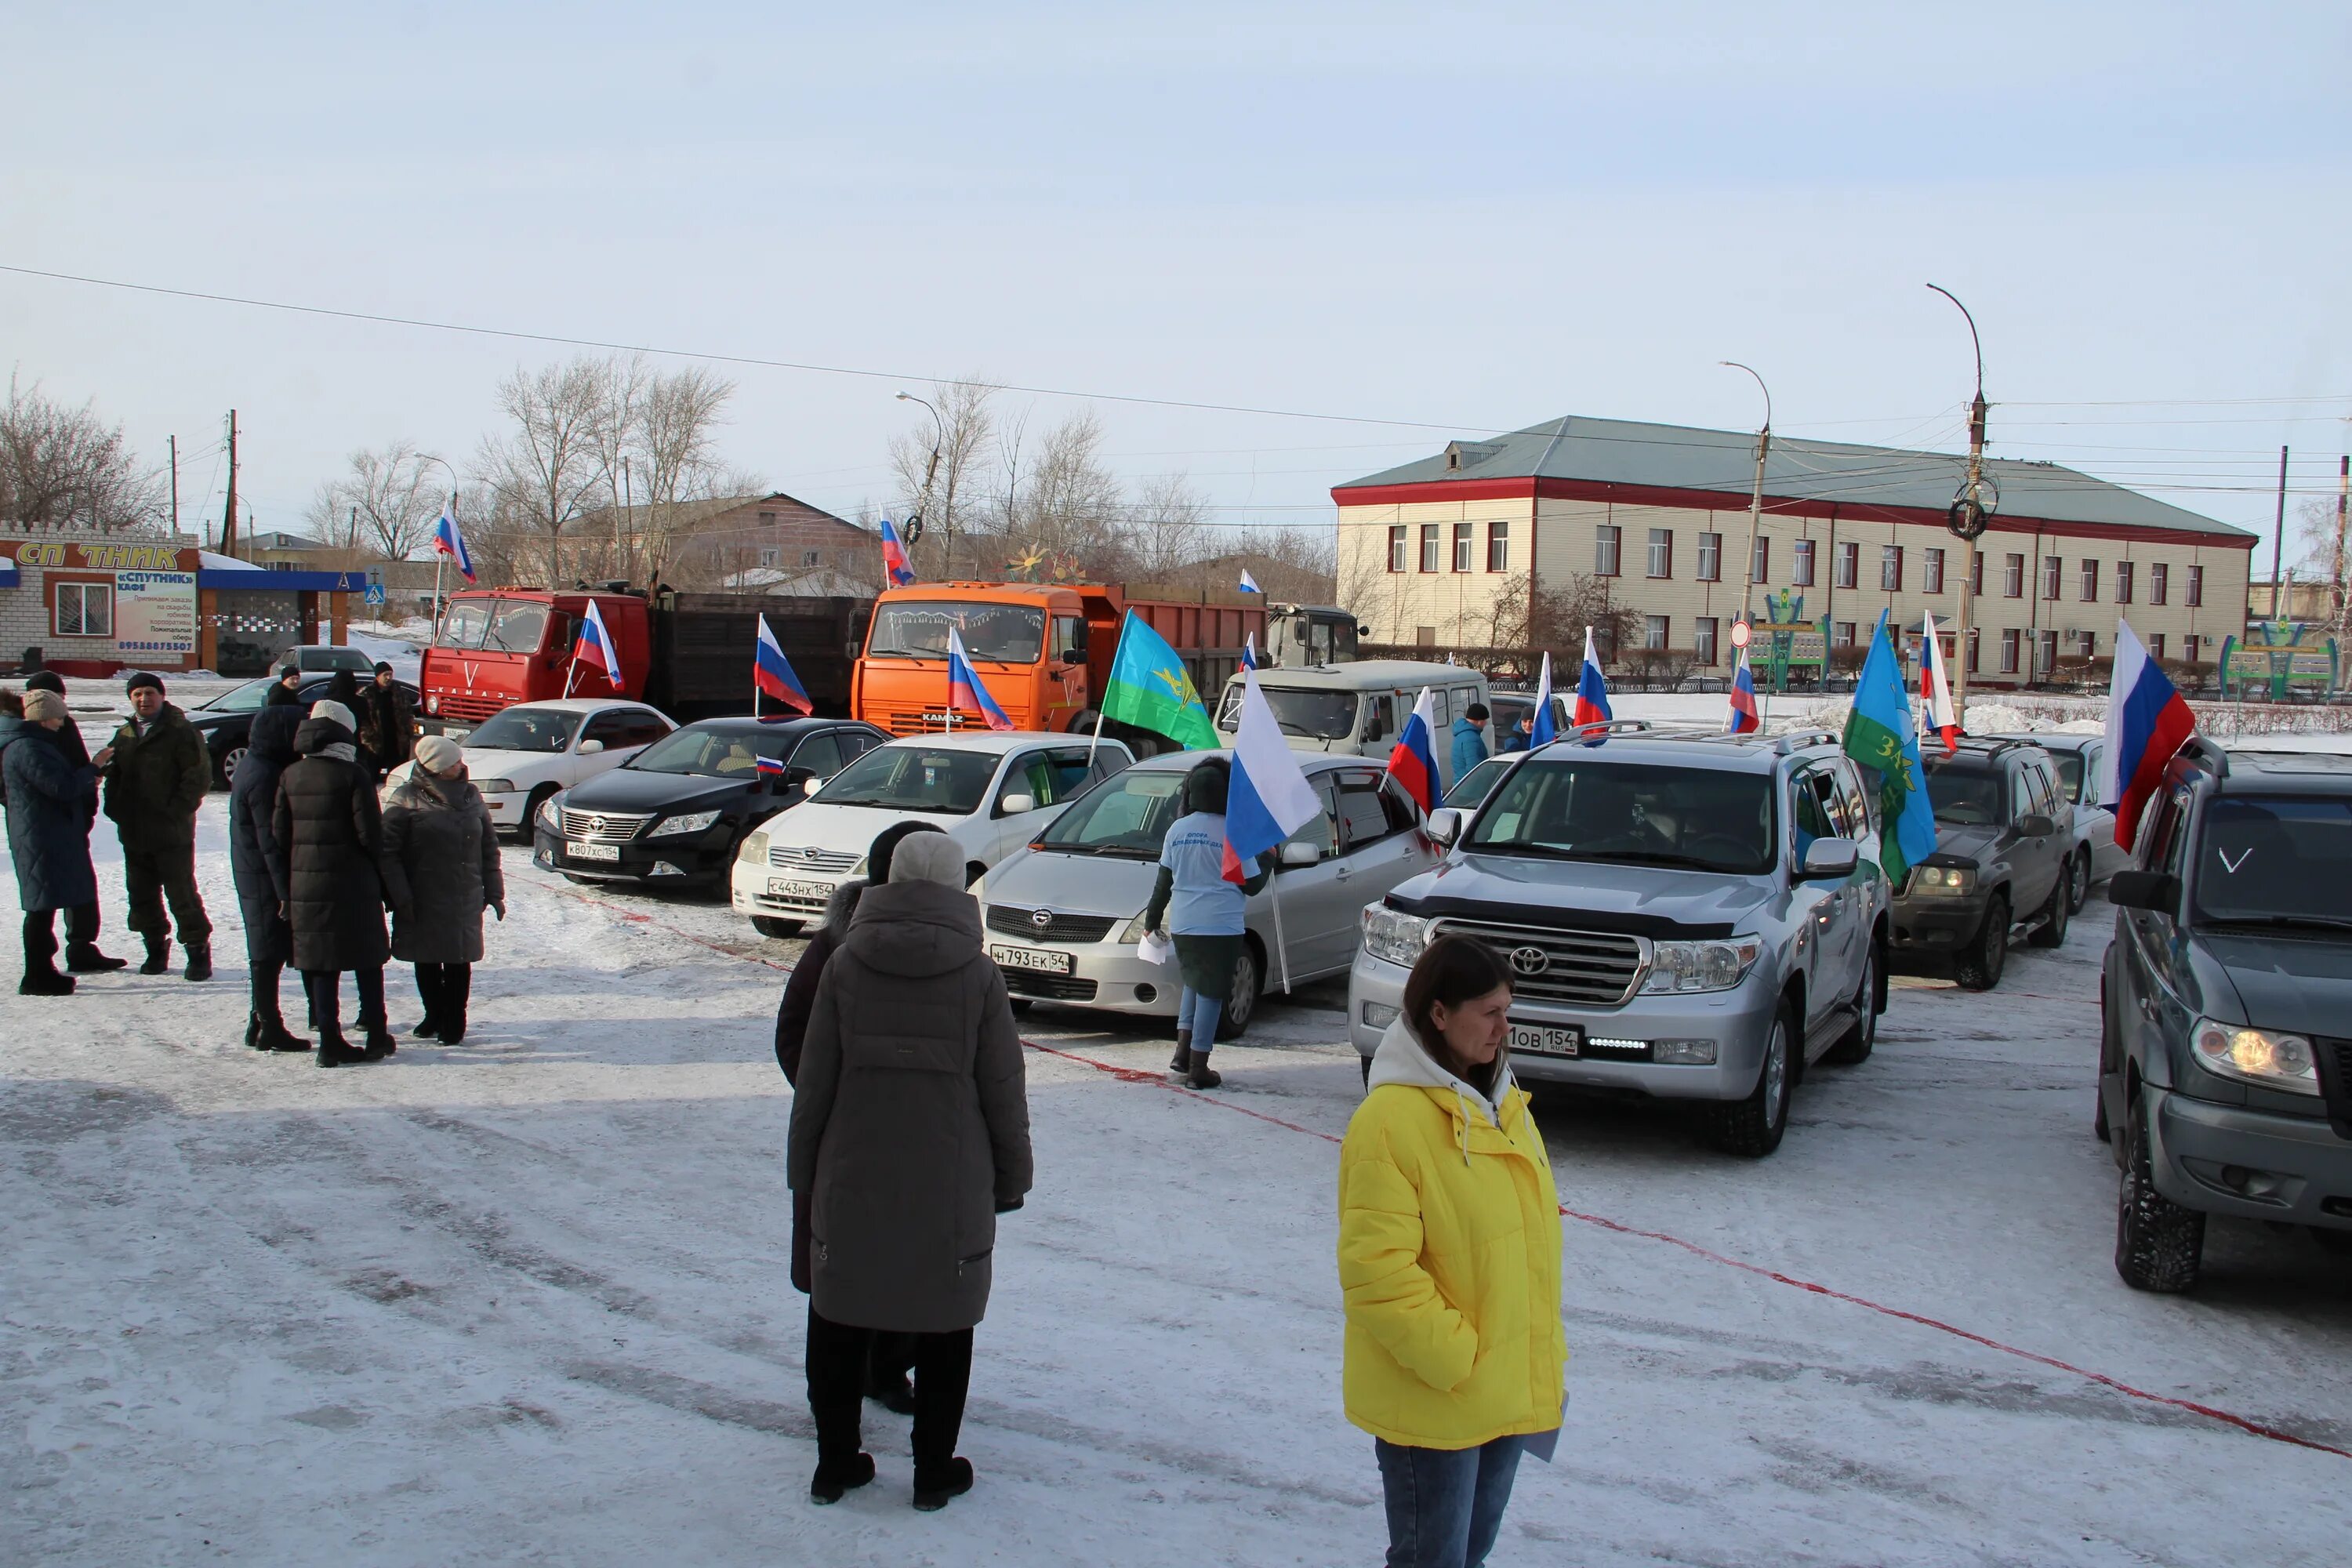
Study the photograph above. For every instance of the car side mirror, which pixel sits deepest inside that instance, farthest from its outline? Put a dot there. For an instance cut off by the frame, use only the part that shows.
(1014, 805)
(1299, 853)
(1444, 825)
(590, 748)
(2158, 892)
(811, 785)
(2035, 825)
(1830, 857)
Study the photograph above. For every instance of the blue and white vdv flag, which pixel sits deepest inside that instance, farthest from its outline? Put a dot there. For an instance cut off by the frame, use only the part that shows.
(1268, 798)
(1249, 584)
(449, 542)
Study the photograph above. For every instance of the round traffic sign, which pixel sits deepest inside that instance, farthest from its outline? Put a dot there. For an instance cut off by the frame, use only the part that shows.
(1740, 634)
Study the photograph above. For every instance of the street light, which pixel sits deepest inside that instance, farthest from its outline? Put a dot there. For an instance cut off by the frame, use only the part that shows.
(1969, 514)
(939, 430)
(1756, 497)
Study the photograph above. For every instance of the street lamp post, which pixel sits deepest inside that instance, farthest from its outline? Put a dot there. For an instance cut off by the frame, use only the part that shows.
(1755, 495)
(1969, 514)
(930, 470)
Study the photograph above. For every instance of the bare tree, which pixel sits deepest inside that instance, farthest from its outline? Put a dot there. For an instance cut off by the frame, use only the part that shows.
(677, 433)
(1167, 527)
(2327, 558)
(65, 468)
(1067, 512)
(948, 491)
(1559, 616)
(385, 502)
(625, 385)
(546, 462)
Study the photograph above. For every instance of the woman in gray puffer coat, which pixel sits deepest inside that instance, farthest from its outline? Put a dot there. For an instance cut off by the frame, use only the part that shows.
(911, 1133)
(440, 871)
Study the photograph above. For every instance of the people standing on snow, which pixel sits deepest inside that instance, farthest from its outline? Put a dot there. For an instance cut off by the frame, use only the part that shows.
(82, 954)
(910, 1134)
(1449, 1263)
(48, 799)
(256, 861)
(287, 692)
(1204, 915)
(331, 835)
(1469, 739)
(160, 775)
(387, 722)
(440, 871)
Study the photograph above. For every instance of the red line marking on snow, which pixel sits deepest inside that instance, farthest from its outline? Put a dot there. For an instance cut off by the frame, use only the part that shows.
(2256, 1429)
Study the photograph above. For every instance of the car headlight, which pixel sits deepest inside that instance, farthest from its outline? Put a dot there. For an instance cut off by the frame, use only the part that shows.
(550, 815)
(692, 822)
(1394, 936)
(433, 704)
(1684, 966)
(2266, 1057)
(753, 851)
(858, 869)
(1945, 881)
(1132, 931)
(495, 786)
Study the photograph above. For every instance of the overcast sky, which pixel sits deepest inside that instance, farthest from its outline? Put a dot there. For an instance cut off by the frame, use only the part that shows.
(1473, 218)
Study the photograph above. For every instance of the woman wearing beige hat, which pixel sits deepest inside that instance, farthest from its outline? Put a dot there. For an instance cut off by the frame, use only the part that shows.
(440, 870)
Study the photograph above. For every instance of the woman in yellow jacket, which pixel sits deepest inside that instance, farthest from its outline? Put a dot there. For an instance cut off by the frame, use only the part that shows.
(1449, 1259)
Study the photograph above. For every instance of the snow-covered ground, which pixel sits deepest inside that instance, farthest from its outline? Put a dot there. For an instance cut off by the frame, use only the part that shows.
(525, 1301)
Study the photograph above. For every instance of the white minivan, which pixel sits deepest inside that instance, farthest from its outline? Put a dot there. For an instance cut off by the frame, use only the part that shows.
(1359, 708)
(989, 791)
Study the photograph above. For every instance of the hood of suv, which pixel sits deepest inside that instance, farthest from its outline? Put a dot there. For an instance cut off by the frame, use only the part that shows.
(1966, 843)
(2283, 982)
(1646, 900)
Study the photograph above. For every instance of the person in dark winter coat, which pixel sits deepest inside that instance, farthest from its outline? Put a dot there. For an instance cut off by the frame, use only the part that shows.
(287, 693)
(1204, 914)
(257, 859)
(331, 838)
(82, 954)
(911, 1133)
(49, 836)
(387, 722)
(1469, 739)
(894, 1354)
(160, 775)
(440, 870)
(343, 687)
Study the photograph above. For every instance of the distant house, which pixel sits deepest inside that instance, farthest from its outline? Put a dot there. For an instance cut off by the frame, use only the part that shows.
(721, 542)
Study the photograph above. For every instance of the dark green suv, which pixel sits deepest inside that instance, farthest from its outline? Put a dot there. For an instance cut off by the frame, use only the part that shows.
(2003, 848)
(2225, 1054)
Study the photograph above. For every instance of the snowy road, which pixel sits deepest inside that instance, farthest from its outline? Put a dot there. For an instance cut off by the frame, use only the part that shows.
(525, 1301)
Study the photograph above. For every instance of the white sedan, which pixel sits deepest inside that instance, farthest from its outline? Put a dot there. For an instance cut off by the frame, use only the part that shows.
(520, 756)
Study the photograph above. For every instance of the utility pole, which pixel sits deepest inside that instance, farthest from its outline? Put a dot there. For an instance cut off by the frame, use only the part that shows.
(1968, 516)
(620, 550)
(174, 442)
(2343, 506)
(2278, 548)
(1756, 497)
(229, 515)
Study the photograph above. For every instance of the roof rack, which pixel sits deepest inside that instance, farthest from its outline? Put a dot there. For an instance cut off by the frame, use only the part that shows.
(1800, 740)
(2207, 754)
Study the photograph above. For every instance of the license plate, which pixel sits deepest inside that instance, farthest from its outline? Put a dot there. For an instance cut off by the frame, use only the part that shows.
(581, 849)
(1548, 1039)
(779, 889)
(1031, 958)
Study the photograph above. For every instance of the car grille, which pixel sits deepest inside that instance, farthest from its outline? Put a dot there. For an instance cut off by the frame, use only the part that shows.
(1014, 920)
(813, 908)
(803, 856)
(1049, 988)
(608, 826)
(1576, 968)
(467, 710)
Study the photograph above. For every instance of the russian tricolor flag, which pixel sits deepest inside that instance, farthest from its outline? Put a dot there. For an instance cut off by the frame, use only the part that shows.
(2147, 722)
(769, 767)
(772, 673)
(597, 647)
(1412, 761)
(1935, 692)
(1268, 798)
(452, 543)
(1592, 692)
(894, 557)
(1249, 651)
(1744, 720)
(964, 690)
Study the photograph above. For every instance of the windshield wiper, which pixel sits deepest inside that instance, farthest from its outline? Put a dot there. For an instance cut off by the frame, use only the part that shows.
(2285, 922)
(901, 653)
(1128, 850)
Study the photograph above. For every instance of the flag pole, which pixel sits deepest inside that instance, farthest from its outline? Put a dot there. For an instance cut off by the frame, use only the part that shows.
(1274, 897)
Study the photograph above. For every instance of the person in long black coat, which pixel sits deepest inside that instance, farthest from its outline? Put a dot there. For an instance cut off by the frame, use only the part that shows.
(440, 871)
(331, 835)
(256, 859)
(48, 835)
(82, 954)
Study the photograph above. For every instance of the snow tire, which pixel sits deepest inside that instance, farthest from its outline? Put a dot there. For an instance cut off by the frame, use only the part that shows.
(2159, 1245)
(1751, 1127)
(1980, 967)
(2051, 930)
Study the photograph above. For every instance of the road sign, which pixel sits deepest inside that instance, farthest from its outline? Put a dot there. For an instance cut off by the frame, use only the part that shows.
(1740, 634)
(374, 594)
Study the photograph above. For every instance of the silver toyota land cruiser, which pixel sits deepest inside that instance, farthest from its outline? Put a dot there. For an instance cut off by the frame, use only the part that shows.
(1687, 915)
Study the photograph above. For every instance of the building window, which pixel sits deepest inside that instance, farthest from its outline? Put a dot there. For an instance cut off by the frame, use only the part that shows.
(1801, 570)
(84, 610)
(1705, 639)
(1425, 636)
(2159, 581)
(2188, 646)
(1710, 558)
(1849, 565)
(2051, 569)
(808, 557)
(1606, 541)
(1890, 568)
(1662, 552)
(2049, 654)
(1396, 547)
(1604, 644)
(2012, 578)
(1465, 544)
(1429, 546)
(2009, 641)
(2196, 596)
(1760, 570)
(770, 556)
(2088, 589)
(1976, 646)
(1654, 629)
(1976, 573)
(2156, 645)
(1498, 547)
(2123, 581)
(2087, 644)
(1931, 571)
(1846, 633)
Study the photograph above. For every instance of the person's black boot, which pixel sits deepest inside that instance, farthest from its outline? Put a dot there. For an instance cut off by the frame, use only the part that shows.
(834, 1477)
(897, 1397)
(44, 982)
(200, 960)
(253, 1031)
(83, 958)
(1198, 1074)
(381, 1043)
(428, 1027)
(457, 990)
(335, 1051)
(935, 1486)
(1177, 1063)
(159, 956)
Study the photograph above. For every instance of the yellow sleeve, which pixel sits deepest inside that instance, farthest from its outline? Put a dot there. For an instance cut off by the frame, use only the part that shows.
(1387, 1290)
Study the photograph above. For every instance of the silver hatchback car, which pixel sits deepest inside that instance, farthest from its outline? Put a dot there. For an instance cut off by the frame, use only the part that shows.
(1064, 915)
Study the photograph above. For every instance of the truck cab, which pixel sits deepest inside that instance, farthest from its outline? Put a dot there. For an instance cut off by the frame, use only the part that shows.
(499, 647)
(1027, 642)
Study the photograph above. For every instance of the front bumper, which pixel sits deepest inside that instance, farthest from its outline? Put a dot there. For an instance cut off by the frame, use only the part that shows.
(506, 809)
(1739, 1020)
(1104, 974)
(794, 893)
(1922, 925)
(684, 859)
(2289, 1168)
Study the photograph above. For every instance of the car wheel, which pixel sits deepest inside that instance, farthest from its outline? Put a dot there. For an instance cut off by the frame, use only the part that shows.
(1978, 969)
(1855, 1045)
(2159, 1245)
(529, 827)
(775, 926)
(1366, 1063)
(1241, 1006)
(2078, 882)
(2052, 930)
(228, 761)
(1752, 1127)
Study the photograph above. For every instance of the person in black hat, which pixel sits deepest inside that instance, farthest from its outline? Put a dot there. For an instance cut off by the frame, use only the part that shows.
(387, 722)
(159, 775)
(287, 693)
(82, 954)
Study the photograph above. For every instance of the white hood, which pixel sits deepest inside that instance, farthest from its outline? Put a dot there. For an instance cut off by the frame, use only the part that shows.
(846, 829)
(1401, 1058)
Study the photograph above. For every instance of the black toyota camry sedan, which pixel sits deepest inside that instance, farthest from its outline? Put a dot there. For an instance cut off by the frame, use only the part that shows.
(676, 811)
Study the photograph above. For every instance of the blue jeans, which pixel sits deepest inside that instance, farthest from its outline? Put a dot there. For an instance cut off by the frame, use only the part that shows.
(1198, 1014)
(1445, 1505)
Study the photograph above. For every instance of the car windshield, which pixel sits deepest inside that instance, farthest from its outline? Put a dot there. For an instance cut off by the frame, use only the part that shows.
(2070, 772)
(1315, 715)
(711, 753)
(1472, 787)
(526, 730)
(914, 778)
(917, 629)
(1698, 819)
(2276, 860)
(1129, 815)
(517, 627)
(250, 698)
(464, 625)
(1966, 798)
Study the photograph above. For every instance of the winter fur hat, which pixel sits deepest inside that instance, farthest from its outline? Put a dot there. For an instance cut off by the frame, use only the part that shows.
(46, 681)
(144, 678)
(41, 706)
(928, 857)
(334, 713)
(438, 753)
(382, 667)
